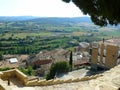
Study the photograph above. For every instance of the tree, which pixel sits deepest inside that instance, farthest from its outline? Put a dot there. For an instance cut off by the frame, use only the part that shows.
(71, 60)
(30, 70)
(27, 71)
(102, 12)
(1, 57)
(57, 68)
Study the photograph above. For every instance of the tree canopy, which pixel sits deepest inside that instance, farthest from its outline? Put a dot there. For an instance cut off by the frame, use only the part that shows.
(102, 12)
(71, 60)
(57, 68)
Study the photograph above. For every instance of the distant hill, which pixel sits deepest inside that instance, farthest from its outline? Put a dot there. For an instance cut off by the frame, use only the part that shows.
(44, 19)
(15, 18)
(83, 21)
(60, 20)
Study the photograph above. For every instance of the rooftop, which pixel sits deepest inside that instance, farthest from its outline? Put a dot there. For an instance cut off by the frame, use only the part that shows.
(13, 60)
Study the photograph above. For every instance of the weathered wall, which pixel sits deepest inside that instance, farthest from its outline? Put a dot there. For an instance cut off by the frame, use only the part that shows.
(22, 77)
(59, 81)
(1, 74)
(94, 59)
(111, 56)
(108, 60)
(8, 74)
(2, 88)
(36, 82)
(16, 74)
(101, 53)
(1, 85)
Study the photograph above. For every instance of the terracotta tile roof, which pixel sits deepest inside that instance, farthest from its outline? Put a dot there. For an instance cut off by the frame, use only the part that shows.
(41, 62)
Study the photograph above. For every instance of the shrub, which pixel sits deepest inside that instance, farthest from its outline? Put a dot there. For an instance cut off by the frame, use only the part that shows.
(28, 71)
(58, 67)
(5, 68)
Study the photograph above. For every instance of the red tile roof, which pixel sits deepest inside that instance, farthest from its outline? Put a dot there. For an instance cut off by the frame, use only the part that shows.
(41, 62)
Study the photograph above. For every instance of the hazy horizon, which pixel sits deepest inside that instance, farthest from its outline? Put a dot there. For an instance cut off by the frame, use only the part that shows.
(39, 8)
(44, 16)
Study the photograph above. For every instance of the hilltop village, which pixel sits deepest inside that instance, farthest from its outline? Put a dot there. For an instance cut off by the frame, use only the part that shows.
(104, 54)
(100, 56)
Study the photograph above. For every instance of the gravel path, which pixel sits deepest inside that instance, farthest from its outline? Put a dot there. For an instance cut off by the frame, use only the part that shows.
(74, 74)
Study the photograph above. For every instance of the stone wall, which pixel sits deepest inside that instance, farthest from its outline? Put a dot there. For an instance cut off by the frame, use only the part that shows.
(107, 56)
(111, 56)
(1, 74)
(94, 59)
(101, 53)
(59, 81)
(14, 73)
(8, 74)
(22, 77)
(1, 87)
(36, 82)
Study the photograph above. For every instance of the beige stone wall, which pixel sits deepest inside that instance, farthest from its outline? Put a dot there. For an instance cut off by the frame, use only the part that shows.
(101, 53)
(22, 77)
(8, 74)
(59, 81)
(2, 88)
(94, 59)
(16, 74)
(36, 82)
(111, 56)
(1, 74)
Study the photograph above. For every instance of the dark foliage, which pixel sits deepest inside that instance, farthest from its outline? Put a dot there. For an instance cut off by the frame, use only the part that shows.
(27, 71)
(102, 12)
(56, 68)
(71, 60)
(1, 57)
(5, 68)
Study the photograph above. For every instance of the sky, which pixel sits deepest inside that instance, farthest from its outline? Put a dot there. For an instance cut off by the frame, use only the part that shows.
(42, 8)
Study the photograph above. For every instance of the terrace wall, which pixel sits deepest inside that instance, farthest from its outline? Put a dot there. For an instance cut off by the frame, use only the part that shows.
(36, 82)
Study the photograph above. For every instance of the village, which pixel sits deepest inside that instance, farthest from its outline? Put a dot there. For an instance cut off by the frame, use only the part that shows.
(44, 59)
(90, 61)
(60, 45)
(93, 54)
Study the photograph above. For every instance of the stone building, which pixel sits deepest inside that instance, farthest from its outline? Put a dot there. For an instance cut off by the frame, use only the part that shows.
(105, 56)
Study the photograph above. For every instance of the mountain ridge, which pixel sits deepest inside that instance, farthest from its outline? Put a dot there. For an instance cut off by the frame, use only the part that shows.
(23, 18)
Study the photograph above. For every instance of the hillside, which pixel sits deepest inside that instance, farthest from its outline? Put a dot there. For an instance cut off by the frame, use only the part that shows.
(15, 18)
(27, 35)
(23, 18)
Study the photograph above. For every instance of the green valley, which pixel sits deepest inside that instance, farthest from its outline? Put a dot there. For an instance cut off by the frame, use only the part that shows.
(37, 34)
